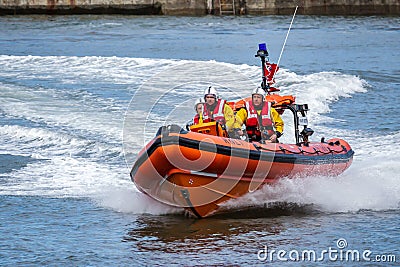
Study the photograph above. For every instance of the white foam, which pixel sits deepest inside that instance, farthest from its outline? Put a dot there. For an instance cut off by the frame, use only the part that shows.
(370, 184)
(53, 108)
(45, 143)
(130, 201)
(77, 70)
(63, 176)
(321, 89)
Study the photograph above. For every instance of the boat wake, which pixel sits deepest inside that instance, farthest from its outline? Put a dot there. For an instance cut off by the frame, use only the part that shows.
(370, 184)
(132, 201)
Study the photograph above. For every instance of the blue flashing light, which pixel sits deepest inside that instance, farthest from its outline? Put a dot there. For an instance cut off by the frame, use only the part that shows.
(262, 46)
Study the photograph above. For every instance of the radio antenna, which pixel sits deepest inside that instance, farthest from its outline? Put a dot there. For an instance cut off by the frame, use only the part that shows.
(284, 43)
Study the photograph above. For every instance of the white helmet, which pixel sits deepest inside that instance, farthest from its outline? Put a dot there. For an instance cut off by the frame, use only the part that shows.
(198, 101)
(211, 91)
(258, 91)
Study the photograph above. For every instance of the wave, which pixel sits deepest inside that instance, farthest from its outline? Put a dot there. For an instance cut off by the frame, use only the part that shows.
(54, 108)
(79, 70)
(46, 143)
(63, 176)
(130, 201)
(368, 185)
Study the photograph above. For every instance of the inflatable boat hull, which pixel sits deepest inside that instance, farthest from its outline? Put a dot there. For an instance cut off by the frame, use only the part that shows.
(199, 172)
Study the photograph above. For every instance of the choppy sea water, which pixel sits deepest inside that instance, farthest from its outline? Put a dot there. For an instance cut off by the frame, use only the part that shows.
(66, 84)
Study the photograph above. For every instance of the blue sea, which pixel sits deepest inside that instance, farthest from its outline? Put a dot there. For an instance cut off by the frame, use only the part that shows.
(81, 95)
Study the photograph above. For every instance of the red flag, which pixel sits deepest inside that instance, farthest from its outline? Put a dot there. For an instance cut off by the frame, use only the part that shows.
(270, 70)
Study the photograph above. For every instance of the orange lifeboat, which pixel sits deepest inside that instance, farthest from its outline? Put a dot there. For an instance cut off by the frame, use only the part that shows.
(198, 170)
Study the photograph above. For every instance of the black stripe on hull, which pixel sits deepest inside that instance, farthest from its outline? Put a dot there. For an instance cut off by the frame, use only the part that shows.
(240, 152)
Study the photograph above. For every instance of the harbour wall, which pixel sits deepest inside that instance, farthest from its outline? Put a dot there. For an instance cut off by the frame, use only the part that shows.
(200, 7)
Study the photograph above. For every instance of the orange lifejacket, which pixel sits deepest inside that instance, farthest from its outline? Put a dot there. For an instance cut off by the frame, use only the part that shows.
(255, 124)
(216, 115)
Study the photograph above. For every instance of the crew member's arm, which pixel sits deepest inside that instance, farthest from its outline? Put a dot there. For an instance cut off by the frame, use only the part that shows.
(201, 118)
(229, 117)
(278, 122)
(241, 117)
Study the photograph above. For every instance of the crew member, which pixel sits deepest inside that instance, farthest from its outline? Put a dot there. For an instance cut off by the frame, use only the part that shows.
(216, 109)
(263, 122)
(198, 107)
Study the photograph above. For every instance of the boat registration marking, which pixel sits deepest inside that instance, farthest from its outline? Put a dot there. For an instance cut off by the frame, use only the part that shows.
(233, 141)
